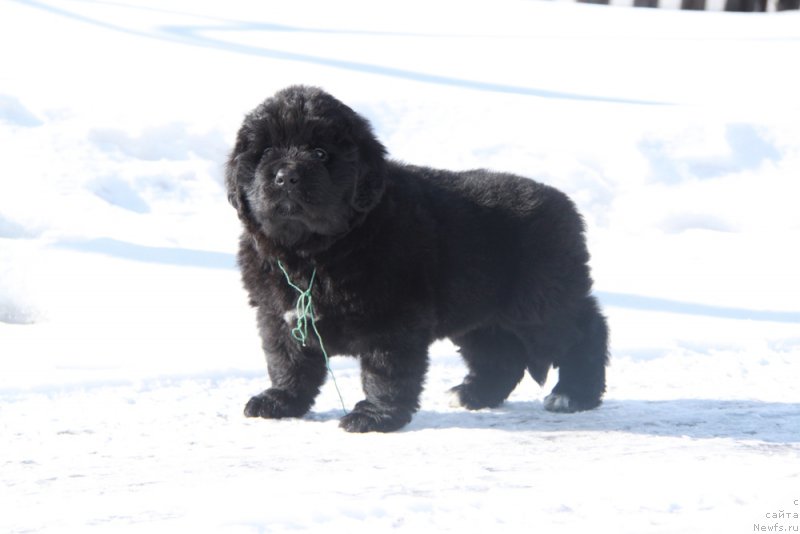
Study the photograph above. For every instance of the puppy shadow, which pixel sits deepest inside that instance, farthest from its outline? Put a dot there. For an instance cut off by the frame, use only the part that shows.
(774, 423)
(767, 422)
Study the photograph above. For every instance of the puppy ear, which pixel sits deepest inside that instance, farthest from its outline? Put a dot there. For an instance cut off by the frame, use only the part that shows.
(369, 188)
(231, 183)
(233, 168)
(233, 199)
(372, 174)
(236, 195)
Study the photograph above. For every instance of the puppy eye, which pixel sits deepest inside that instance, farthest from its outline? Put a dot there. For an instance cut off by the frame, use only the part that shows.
(320, 154)
(267, 151)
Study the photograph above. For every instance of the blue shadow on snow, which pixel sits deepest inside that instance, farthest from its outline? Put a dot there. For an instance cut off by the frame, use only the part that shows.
(638, 302)
(183, 257)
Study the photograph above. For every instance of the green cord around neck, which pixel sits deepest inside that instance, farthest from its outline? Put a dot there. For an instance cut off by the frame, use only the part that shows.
(304, 308)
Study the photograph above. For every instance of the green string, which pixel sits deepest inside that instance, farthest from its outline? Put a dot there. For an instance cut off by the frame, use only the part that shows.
(305, 314)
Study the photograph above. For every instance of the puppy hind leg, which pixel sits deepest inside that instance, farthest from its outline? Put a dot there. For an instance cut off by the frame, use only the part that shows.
(496, 362)
(582, 368)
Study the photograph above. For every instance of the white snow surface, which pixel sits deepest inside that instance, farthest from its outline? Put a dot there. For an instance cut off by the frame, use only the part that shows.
(128, 350)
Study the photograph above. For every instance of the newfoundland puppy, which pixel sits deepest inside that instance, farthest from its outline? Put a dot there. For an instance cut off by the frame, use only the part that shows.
(345, 251)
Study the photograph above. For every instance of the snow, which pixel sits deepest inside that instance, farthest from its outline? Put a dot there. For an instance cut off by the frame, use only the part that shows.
(128, 349)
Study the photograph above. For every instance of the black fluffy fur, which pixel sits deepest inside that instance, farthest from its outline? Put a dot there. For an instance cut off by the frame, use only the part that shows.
(406, 255)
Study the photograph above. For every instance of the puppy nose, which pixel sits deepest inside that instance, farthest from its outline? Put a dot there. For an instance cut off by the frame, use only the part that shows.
(286, 176)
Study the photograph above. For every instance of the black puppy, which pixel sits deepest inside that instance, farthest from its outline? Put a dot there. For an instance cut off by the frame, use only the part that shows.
(398, 256)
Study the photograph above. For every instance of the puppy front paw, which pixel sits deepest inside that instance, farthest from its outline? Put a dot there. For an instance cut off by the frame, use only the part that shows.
(556, 402)
(562, 403)
(466, 396)
(275, 403)
(369, 417)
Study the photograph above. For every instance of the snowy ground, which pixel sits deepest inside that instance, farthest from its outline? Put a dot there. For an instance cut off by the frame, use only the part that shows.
(127, 350)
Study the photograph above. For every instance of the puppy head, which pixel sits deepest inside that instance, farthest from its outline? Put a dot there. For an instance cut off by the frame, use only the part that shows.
(304, 164)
